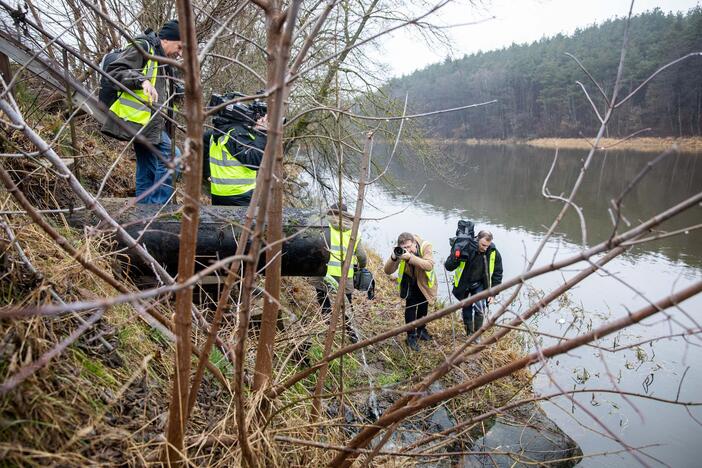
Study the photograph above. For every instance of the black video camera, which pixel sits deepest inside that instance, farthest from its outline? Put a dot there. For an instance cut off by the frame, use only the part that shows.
(464, 244)
(248, 114)
(398, 251)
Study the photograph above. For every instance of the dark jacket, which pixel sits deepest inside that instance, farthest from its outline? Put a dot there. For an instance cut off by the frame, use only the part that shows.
(245, 144)
(127, 69)
(452, 263)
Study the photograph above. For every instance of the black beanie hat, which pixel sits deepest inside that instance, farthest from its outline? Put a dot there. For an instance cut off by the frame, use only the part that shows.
(170, 31)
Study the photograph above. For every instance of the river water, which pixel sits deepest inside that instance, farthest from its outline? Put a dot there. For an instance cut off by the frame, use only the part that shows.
(499, 188)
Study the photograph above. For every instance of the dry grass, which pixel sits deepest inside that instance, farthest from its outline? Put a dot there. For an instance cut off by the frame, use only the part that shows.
(692, 145)
(647, 145)
(88, 406)
(394, 368)
(93, 406)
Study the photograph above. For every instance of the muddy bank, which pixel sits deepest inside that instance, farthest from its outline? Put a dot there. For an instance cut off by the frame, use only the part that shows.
(389, 368)
(691, 145)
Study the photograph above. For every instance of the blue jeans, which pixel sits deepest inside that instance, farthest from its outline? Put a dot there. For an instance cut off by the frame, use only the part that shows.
(150, 169)
(474, 313)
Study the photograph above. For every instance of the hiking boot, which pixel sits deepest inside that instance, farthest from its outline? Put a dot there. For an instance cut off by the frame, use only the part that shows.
(424, 335)
(412, 343)
(469, 329)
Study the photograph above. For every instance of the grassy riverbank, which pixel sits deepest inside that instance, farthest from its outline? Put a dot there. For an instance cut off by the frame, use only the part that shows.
(93, 404)
(103, 399)
(647, 145)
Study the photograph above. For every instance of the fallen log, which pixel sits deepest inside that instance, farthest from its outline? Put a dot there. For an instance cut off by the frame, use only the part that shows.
(157, 227)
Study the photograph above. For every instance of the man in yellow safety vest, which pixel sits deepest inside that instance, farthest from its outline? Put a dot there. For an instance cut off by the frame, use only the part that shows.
(477, 268)
(140, 112)
(235, 151)
(413, 259)
(340, 222)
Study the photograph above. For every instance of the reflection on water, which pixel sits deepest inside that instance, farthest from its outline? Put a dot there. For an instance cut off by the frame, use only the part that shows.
(499, 188)
(503, 184)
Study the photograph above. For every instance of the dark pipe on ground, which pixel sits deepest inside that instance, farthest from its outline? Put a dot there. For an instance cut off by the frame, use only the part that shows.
(158, 228)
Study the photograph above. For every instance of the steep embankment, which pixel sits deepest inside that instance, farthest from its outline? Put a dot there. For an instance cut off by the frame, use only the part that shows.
(103, 397)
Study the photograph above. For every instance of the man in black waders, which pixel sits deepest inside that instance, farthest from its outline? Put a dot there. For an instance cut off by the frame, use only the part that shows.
(413, 259)
(478, 266)
(340, 222)
(235, 150)
(147, 79)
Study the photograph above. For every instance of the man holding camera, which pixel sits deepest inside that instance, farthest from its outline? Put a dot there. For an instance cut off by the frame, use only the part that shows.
(413, 259)
(477, 267)
(340, 222)
(235, 151)
(147, 80)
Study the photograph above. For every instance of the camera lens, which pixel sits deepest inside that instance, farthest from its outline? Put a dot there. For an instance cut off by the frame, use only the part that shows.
(398, 251)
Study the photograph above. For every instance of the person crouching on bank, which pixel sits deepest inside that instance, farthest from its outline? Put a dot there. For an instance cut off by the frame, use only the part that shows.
(413, 259)
(340, 222)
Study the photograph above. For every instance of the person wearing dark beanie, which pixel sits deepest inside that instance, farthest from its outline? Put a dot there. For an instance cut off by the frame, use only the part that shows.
(170, 39)
(142, 111)
(170, 31)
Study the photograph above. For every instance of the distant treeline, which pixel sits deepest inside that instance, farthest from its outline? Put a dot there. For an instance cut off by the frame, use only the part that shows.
(536, 88)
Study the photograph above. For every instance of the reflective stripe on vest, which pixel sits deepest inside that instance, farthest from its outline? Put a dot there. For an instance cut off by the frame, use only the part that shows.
(338, 246)
(431, 276)
(491, 267)
(227, 175)
(134, 109)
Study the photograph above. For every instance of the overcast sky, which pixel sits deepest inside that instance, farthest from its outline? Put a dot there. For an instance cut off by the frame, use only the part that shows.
(516, 21)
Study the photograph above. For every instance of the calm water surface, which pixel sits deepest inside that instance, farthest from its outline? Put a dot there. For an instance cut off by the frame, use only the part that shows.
(500, 189)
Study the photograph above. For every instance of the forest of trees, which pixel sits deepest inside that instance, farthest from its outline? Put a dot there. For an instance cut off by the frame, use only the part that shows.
(536, 84)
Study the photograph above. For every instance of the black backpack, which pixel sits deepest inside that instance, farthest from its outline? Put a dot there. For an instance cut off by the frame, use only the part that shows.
(109, 90)
(363, 281)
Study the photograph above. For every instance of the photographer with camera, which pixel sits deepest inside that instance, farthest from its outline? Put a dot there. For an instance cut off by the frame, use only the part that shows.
(340, 222)
(478, 266)
(413, 259)
(235, 149)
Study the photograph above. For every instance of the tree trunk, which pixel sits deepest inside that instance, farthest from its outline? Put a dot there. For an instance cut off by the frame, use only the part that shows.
(304, 252)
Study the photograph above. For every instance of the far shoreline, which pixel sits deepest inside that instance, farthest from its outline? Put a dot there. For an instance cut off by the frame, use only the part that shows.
(646, 144)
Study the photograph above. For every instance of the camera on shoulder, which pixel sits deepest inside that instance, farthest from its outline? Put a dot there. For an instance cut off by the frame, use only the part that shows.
(464, 244)
(237, 112)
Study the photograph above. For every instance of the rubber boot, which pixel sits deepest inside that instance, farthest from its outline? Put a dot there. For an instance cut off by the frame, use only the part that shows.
(351, 334)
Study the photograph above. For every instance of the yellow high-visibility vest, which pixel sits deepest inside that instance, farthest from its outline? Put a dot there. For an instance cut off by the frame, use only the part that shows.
(135, 109)
(491, 267)
(431, 276)
(338, 246)
(228, 176)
